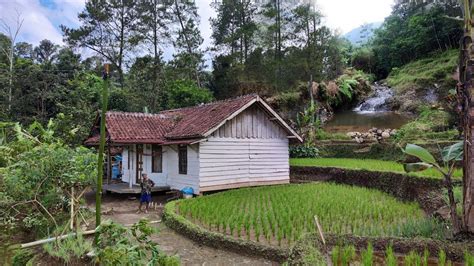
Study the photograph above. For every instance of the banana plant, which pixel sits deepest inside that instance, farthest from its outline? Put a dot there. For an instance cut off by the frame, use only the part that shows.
(449, 156)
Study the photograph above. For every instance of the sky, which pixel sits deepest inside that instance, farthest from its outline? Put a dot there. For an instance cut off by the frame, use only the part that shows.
(43, 17)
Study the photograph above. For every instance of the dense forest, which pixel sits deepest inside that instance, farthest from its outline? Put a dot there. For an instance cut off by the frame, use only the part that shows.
(274, 49)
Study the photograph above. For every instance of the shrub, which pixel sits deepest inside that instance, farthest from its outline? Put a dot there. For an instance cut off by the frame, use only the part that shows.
(118, 245)
(69, 248)
(303, 151)
(22, 257)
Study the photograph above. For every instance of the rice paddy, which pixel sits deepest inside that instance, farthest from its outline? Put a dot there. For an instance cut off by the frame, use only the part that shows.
(280, 215)
(368, 165)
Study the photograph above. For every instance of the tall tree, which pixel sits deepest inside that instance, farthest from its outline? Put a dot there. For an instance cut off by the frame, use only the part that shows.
(109, 27)
(187, 39)
(12, 32)
(234, 27)
(155, 16)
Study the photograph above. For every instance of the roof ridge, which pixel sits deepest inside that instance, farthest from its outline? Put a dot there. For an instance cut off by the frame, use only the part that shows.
(210, 103)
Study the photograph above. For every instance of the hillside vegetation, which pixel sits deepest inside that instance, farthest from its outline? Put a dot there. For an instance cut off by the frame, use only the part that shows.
(424, 81)
(437, 69)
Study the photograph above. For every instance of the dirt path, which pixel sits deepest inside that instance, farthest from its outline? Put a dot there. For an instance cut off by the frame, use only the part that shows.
(122, 209)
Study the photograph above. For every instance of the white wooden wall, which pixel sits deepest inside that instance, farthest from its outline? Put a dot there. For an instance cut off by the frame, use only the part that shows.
(179, 181)
(249, 150)
(170, 175)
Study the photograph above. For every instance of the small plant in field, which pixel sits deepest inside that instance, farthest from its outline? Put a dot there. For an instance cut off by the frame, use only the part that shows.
(450, 155)
(348, 254)
(390, 259)
(468, 259)
(413, 259)
(426, 256)
(442, 258)
(368, 256)
(335, 254)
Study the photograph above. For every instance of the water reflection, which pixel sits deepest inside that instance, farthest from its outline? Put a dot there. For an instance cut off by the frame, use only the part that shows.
(347, 121)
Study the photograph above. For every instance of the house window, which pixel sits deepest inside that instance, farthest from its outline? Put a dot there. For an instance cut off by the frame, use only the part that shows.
(156, 159)
(183, 159)
(128, 158)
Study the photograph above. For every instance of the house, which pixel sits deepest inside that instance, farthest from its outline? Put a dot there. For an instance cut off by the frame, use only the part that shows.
(226, 144)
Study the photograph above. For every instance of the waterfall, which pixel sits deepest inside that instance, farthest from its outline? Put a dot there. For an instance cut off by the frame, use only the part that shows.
(376, 102)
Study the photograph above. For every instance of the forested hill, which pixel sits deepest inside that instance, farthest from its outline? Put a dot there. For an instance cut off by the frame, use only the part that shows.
(273, 49)
(361, 35)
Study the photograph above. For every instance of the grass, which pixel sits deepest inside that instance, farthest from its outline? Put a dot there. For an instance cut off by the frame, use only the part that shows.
(366, 164)
(280, 215)
(425, 72)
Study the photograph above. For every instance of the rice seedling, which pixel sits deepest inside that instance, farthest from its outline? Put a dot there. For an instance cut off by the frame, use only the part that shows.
(280, 215)
(468, 259)
(390, 259)
(368, 256)
(442, 258)
(413, 259)
(368, 165)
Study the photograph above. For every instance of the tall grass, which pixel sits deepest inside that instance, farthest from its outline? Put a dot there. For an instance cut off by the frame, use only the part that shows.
(368, 165)
(281, 214)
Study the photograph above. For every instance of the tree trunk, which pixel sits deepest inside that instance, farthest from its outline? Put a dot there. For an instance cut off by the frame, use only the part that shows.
(466, 71)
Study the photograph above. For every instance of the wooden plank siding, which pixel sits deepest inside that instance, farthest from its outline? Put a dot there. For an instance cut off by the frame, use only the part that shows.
(248, 150)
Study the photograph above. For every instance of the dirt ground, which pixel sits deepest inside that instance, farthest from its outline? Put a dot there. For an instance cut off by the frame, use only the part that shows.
(123, 208)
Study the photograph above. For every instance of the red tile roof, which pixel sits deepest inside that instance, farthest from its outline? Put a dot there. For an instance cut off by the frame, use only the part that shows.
(170, 126)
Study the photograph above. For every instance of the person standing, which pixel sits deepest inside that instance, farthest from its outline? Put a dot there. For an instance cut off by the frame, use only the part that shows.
(146, 184)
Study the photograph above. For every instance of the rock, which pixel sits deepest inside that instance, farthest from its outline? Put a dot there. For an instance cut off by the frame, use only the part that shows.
(379, 131)
(443, 213)
(351, 134)
(385, 135)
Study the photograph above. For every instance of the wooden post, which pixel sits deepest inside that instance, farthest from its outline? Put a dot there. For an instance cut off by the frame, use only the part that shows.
(109, 163)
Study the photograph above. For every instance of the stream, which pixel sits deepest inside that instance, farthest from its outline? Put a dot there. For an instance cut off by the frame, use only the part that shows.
(370, 113)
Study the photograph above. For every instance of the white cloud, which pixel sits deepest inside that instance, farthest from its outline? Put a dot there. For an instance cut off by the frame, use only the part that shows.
(345, 15)
(41, 22)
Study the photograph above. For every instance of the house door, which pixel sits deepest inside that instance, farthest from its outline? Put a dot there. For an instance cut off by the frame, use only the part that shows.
(139, 168)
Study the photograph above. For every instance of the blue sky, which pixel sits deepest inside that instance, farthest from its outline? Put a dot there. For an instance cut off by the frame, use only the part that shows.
(43, 17)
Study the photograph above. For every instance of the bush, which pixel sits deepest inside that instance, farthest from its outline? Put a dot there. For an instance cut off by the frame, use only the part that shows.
(22, 257)
(184, 93)
(68, 249)
(118, 245)
(304, 151)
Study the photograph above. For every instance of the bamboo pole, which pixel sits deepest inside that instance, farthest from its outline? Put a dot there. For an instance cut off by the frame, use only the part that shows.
(100, 163)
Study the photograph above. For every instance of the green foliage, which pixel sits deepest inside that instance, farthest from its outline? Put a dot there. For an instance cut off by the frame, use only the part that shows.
(348, 254)
(390, 259)
(414, 31)
(368, 256)
(22, 257)
(308, 123)
(303, 151)
(368, 165)
(70, 248)
(468, 258)
(442, 258)
(280, 214)
(118, 245)
(38, 174)
(184, 93)
(431, 125)
(413, 259)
